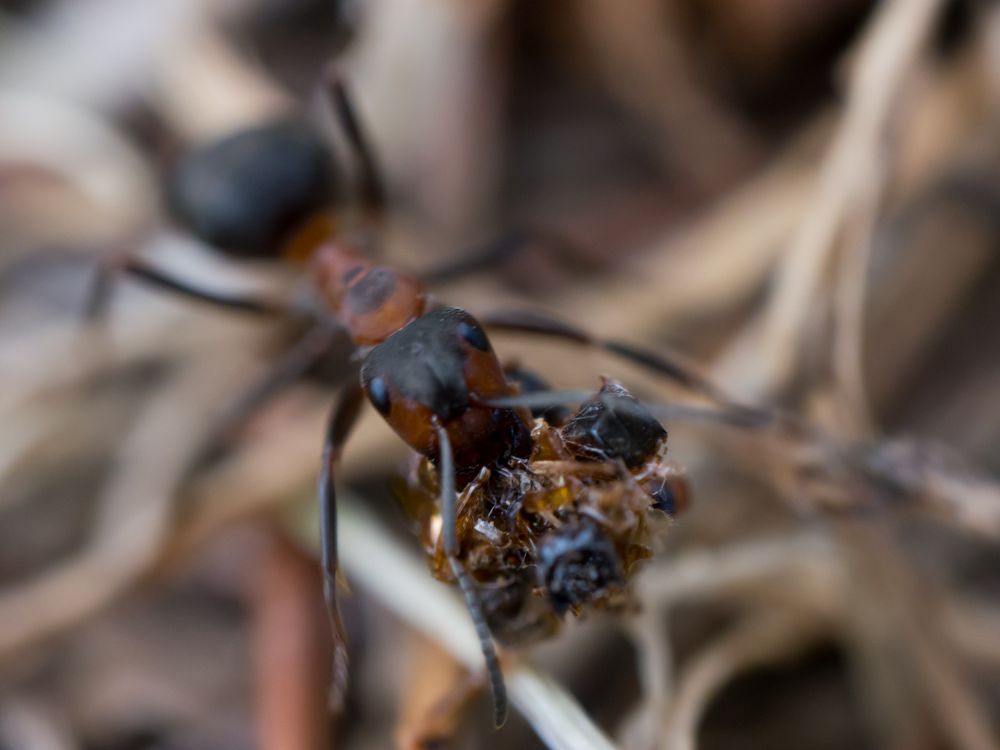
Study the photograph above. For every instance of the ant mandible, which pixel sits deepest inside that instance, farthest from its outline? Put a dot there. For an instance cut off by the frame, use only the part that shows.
(431, 372)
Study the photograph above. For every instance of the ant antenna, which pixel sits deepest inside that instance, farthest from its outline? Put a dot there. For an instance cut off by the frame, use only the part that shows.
(342, 419)
(734, 416)
(465, 582)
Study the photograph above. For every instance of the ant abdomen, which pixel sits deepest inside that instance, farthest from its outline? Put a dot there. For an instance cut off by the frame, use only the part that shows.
(614, 425)
(246, 192)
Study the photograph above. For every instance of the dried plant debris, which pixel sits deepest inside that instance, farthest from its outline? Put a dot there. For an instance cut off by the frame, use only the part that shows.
(562, 531)
(799, 199)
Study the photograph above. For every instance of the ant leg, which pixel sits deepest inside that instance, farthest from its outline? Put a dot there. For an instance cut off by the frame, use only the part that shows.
(372, 187)
(140, 270)
(449, 502)
(501, 250)
(342, 419)
(95, 307)
(672, 366)
(291, 366)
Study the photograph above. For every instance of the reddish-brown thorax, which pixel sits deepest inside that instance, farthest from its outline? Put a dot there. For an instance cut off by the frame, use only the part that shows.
(370, 300)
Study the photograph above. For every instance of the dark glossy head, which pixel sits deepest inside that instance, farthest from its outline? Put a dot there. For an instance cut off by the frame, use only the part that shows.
(245, 193)
(439, 368)
(614, 425)
(577, 564)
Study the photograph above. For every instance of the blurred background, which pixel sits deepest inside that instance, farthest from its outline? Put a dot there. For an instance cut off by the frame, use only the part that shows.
(802, 197)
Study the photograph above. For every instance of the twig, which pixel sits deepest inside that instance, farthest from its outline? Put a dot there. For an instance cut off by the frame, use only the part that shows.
(759, 639)
(894, 600)
(975, 629)
(849, 296)
(62, 354)
(28, 726)
(650, 632)
(722, 257)
(377, 563)
(290, 645)
(134, 512)
(435, 692)
(706, 572)
(852, 180)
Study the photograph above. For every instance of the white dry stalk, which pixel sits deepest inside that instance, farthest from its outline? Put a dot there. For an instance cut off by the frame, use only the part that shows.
(30, 725)
(375, 562)
(700, 574)
(650, 634)
(63, 354)
(83, 149)
(722, 257)
(704, 572)
(133, 520)
(852, 180)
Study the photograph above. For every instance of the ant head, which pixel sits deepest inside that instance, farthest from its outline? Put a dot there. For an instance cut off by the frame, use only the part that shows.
(437, 369)
(243, 194)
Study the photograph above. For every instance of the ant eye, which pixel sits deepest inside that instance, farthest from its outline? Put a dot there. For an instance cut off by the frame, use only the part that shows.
(474, 335)
(378, 393)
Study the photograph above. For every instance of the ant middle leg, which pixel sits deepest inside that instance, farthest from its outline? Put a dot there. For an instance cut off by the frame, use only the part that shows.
(342, 420)
(449, 501)
(102, 287)
(292, 365)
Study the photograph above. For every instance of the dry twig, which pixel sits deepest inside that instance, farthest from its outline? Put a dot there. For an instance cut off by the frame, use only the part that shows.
(134, 512)
(761, 638)
(848, 194)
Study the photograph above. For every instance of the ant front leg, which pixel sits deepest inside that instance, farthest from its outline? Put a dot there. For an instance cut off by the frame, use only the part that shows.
(669, 365)
(342, 420)
(449, 510)
(284, 373)
(102, 287)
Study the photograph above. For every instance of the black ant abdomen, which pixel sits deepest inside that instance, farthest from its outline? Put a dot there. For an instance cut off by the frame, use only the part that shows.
(245, 193)
(614, 425)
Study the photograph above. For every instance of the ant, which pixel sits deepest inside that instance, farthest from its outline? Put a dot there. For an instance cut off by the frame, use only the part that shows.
(432, 373)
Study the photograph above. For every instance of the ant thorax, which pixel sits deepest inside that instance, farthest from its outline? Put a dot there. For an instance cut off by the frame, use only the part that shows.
(559, 532)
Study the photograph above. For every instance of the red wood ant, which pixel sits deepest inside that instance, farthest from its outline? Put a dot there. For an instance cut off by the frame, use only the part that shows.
(432, 373)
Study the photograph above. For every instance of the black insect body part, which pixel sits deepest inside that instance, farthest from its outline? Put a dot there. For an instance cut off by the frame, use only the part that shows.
(577, 564)
(614, 425)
